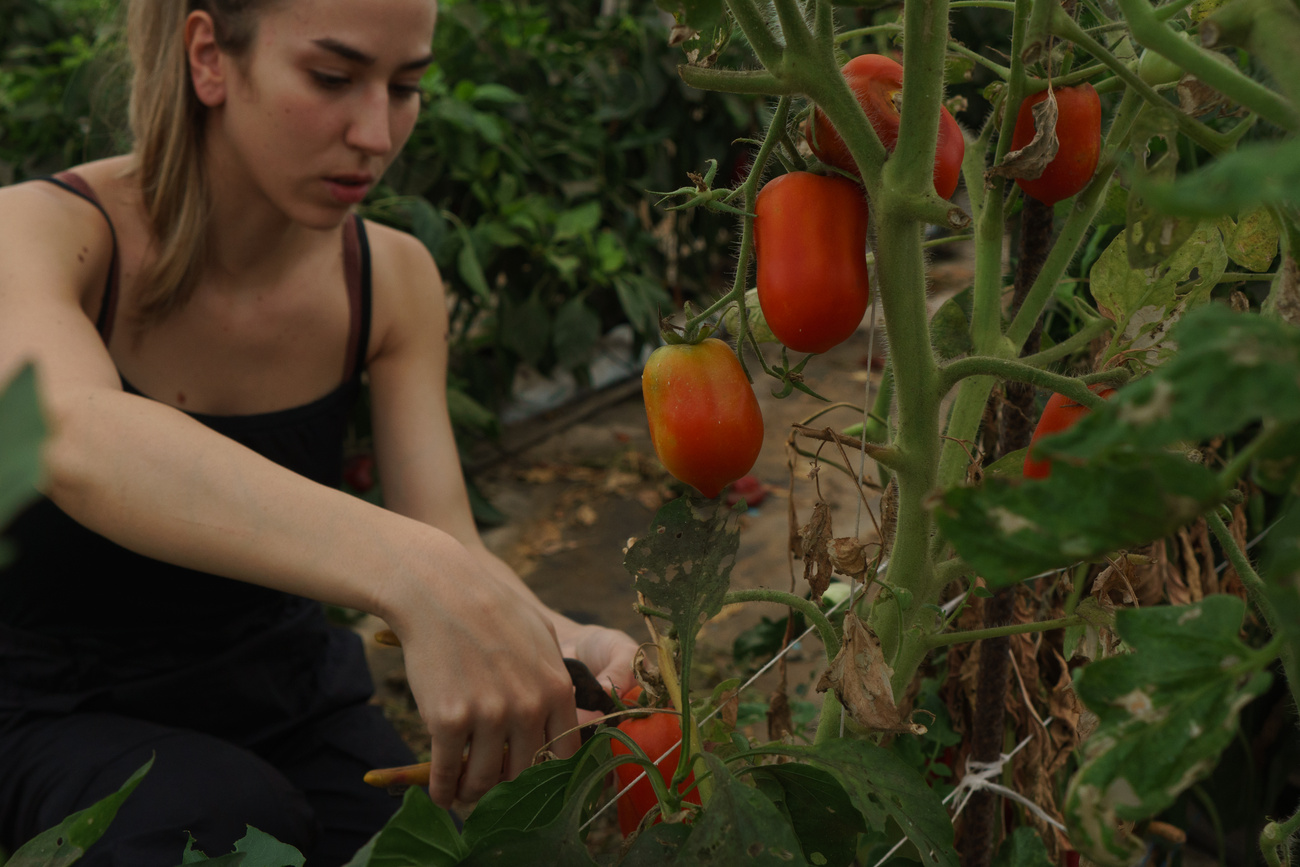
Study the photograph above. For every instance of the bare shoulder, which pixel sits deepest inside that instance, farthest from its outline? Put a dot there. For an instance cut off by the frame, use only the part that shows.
(409, 298)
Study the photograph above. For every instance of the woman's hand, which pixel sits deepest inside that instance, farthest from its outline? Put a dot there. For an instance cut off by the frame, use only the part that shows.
(609, 654)
(486, 670)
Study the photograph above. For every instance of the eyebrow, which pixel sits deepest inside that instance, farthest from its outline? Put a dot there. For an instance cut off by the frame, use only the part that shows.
(347, 52)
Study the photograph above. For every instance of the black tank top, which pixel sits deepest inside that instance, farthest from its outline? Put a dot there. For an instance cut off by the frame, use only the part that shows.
(68, 581)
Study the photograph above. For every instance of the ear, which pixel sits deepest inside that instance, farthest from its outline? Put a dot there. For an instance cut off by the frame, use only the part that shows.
(206, 61)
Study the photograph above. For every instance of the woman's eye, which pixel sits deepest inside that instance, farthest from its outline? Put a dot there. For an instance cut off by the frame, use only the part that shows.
(328, 81)
(405, 90)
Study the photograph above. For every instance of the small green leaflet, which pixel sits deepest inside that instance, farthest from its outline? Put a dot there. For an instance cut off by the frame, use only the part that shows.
(1260, 173)
(1166, 712)
(740, 828)
(67, 841)
(817, 808)
(255, 849)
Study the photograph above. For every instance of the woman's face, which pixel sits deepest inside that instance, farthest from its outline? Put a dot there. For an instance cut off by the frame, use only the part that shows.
(326, 97)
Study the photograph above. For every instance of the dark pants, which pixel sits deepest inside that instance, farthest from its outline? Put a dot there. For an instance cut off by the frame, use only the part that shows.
(281, 745)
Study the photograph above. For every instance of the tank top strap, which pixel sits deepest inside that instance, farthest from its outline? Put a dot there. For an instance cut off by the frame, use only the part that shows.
(76, 184)
(356, 269)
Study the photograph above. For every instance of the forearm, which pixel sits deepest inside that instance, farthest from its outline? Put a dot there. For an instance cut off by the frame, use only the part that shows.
(157, 482)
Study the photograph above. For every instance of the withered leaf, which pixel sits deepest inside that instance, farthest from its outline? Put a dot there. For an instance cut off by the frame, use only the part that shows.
(1030, 161)
(780, 723)
(850, 557)
(816, 537)
(860, 677)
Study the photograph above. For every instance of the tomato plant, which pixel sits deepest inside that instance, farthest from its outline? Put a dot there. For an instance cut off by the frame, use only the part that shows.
(1078, 129)
(1061, 413)
(705, 423)
(658, 735)
(877, 82)
(810, 239)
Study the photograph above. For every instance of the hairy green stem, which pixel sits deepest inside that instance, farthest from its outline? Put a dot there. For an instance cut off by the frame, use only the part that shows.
(1072, 344)
(1017, 371)
(828, 721)
(1276, 839)
(1065, 27)
(806, 607)
(946, 638)
(753, 23)
(749, 82)
(1206, 66)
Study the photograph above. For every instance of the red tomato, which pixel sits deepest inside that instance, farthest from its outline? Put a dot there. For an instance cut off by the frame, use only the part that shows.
(705, 424)
(876, 80)
(810, 239)
(1078, 128)
(359, 473)
(654, 734)
(1060, 414)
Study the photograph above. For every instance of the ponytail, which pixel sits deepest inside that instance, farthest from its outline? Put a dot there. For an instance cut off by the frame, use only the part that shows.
(167, 122)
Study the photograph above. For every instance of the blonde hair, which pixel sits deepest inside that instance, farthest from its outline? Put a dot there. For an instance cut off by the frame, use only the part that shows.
(167, 122)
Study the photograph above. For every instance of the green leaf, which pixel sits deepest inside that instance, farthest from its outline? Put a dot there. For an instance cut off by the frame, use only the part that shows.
(533, 799)
(1165, 711)
(950, 330)
(67, 841)
(1153, 235)
(657, 845)
(883, 787)
(495, 93)
(642, 297)
(1010, 532)
(1231, 370)
(21, 431)
(757, 323)
(1252, 241)
(1009, 466)
(1114, 209)
(427, 224)
(575, 333)
(740, 827)
(420, 834)
(1024, 848)
(1280, 569)
(1260, 173)
(468, 265)
(696, 14)
(260, 849)
(610, 255)
(683, 565)
(577, 222)
(1277, 464)
(525, 328)
(824, 819)
(1146, 303)
(467, 413)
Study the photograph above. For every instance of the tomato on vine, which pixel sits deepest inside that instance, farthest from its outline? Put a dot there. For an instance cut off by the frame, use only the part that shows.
(656, 734)
(877, 82)
(1078, 129)
(705, 423)
(1060, 414)
(810, 240)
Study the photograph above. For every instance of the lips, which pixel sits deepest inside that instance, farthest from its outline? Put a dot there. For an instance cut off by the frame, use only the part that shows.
(351, 188)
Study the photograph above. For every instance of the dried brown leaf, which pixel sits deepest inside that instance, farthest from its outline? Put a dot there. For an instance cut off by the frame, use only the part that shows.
(780, 724)
(815, 549)
(1030, 161)
(850, 557)
(860, 677)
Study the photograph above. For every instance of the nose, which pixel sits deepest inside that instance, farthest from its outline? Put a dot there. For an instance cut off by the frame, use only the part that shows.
(370, 129)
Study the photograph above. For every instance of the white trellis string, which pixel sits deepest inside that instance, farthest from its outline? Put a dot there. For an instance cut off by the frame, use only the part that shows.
(980, 775)
(623, 791)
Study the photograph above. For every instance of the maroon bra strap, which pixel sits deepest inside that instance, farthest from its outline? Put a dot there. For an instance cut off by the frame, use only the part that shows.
(108, 304)
(356, 271)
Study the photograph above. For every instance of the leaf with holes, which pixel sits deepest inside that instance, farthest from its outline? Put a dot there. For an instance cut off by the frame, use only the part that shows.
(683, 565)
(740, 828)
(818, 809)
(1165, 712)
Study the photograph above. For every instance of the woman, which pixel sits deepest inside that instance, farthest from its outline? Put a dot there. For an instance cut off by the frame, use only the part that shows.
(199, 312)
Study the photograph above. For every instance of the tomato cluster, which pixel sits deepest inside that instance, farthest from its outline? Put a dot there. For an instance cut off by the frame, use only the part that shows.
(877, 81)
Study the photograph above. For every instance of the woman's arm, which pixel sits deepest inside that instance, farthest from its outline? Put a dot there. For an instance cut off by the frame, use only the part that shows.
(152, 479)
(416, 451)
